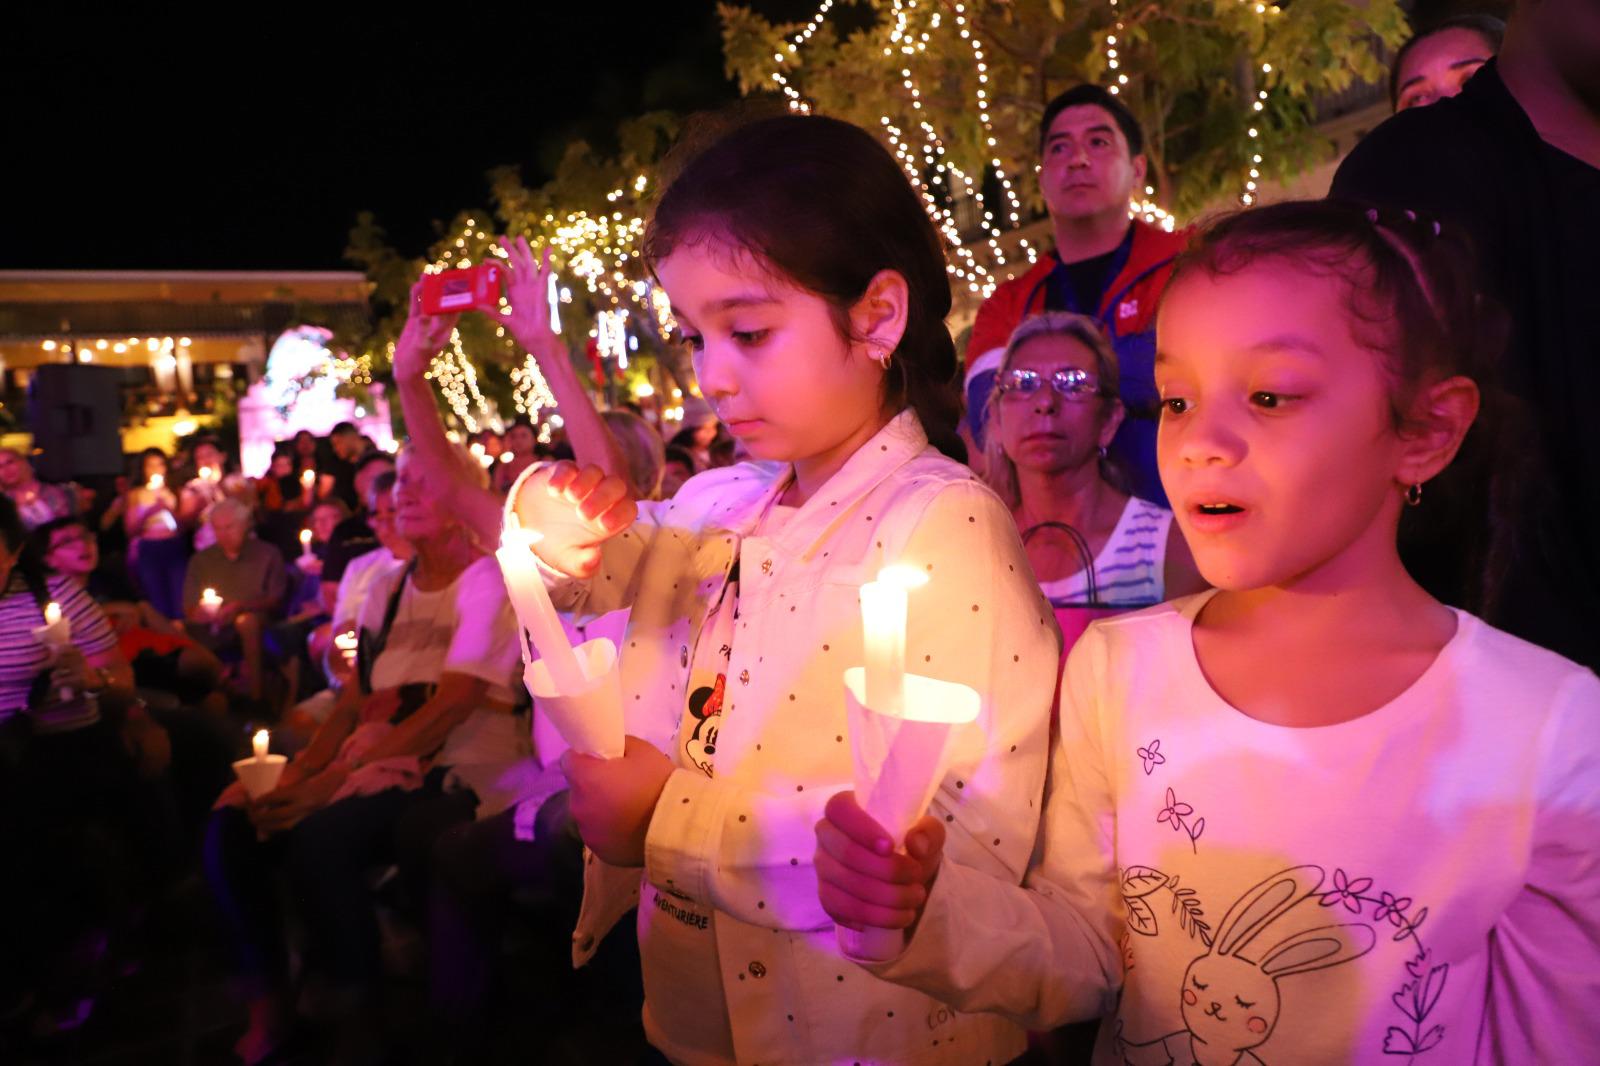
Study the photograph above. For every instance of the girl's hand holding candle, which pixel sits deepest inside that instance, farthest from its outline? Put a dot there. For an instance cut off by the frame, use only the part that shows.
(900, 727)
(576, 511)
(579, 689)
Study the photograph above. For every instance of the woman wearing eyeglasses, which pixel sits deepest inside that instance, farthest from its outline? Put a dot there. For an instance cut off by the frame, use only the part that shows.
(1095, 549)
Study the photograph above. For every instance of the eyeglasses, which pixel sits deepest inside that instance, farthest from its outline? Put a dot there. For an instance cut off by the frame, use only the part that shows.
(1071, 383)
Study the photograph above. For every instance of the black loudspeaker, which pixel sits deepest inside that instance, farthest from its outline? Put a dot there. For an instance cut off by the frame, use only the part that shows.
(75, 412)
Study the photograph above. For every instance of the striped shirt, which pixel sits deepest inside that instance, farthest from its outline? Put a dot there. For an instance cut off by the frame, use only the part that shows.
(23, 658)
(1130, 569)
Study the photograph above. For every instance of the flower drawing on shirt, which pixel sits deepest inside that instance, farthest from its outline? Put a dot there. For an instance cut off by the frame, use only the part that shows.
(1176, 813)
(1418, 996)
(1152, 757)
(1346, 891)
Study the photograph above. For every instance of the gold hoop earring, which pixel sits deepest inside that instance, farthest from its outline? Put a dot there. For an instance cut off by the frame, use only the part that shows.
(1414, 495)
(881, 355)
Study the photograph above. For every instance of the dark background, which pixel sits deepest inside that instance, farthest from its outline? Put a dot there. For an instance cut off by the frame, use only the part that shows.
(249, 136)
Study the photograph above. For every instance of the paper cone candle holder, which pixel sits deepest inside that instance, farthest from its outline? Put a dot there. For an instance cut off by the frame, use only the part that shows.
(898, 761)
(579, 688)
(900, 726)
(260, 773)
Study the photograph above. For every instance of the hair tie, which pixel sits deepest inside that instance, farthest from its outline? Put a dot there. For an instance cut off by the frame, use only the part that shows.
(1372, 215)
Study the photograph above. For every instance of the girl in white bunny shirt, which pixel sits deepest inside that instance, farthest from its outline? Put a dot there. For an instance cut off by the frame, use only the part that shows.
(1315, 816)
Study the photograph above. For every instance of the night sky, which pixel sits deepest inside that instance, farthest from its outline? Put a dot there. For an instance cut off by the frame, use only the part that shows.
(251, 141)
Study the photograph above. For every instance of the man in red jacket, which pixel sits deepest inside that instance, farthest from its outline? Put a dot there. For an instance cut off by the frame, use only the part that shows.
(1104, 265)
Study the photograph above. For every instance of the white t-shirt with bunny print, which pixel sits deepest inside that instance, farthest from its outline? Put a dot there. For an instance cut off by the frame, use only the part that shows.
(1421, 884)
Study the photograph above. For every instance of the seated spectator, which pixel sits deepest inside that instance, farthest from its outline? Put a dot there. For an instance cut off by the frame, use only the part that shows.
(36, 502)
(162, 655)
(641, 448)
(353, 536)
(201, 490)
(679, 467)
(339, 663)
(281, 487)
(81, 809)
(420, 742)
(348, 447)
(1437, 62)
(521, 443)
(158, 546)
(1053, 413)
(248, 581)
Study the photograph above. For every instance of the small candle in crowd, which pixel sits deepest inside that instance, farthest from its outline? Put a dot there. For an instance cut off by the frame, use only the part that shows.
(52, 613)
(307, 479)
(259, 743)
(210, 600)
(157, 482)
(305, 542)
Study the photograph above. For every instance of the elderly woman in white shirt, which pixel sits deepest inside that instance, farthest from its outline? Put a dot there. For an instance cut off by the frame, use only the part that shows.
(420, 743)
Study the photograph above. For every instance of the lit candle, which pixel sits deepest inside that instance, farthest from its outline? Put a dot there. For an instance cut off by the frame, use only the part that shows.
(305, 543)
(52, 613)
(552, 296)
(210, 601)
(307, 479)
(531, 600)
(157, 482)
(259, 743)
(347, 644)
(208, 473)
(883, 617)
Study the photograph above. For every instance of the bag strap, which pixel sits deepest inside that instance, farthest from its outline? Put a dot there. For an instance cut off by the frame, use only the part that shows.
(371, 647)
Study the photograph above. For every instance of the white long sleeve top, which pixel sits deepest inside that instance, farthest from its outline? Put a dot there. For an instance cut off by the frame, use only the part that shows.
(1421, 884)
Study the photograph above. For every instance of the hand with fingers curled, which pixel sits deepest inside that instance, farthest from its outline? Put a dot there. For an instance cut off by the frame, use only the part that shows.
(576, 511)
(613, 800)
(862, 880)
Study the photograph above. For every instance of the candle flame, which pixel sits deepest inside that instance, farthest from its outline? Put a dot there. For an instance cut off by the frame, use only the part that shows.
(906, 577)
(305, 536)
(52, 613)
(157, 482)
(259, 742)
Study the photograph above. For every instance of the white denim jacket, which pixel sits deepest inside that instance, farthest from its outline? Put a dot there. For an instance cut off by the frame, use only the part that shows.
(738, 847)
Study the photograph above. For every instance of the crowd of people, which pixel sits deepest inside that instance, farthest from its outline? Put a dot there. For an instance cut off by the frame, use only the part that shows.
(1270, 550)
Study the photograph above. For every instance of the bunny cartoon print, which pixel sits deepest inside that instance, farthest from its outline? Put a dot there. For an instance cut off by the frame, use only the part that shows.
(1230, 998)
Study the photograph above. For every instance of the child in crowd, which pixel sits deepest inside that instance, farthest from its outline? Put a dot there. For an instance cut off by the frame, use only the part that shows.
(1314, 816)
(817, 329)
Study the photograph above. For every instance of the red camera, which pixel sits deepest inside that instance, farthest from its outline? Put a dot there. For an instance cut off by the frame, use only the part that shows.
(463, 289)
